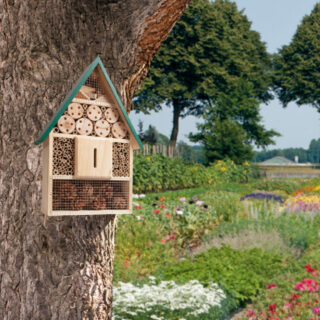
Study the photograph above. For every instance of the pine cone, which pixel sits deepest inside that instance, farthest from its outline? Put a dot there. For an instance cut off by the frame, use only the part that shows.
(98, 203)
(119, 203)
(85, 192)
(78, 205)
(65, 190)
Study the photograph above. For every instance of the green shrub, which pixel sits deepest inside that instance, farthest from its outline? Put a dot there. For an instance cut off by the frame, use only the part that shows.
(242, 273)
(288, 186)
(158, 173)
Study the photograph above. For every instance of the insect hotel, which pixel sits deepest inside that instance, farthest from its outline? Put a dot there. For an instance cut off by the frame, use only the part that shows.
(88, 151)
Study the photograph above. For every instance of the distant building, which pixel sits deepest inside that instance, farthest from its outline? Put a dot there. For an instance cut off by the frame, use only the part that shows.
(277, 160)
(281, 167)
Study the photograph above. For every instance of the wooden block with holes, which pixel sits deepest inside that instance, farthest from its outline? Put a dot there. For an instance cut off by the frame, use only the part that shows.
(88, 151)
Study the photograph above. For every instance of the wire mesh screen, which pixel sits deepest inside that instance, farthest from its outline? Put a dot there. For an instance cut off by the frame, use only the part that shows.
(76, 195)
(120, 159)
(63, 156)
(94, 82)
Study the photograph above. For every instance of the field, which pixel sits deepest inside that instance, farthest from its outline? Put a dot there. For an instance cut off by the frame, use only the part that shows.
(234, 245)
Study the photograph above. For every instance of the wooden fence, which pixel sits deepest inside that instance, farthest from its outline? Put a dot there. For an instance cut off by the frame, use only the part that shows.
(165, 150)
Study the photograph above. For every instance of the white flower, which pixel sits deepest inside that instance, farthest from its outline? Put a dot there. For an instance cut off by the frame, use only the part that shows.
(180, 212)
(168, 294)
(141, 196)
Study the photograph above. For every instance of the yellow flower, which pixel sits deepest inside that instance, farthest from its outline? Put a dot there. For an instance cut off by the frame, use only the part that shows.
(246, 163)
(148, 159)
(223, 169)
(316, 188)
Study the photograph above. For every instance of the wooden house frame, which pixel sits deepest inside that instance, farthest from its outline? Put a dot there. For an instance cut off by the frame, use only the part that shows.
(88, 150)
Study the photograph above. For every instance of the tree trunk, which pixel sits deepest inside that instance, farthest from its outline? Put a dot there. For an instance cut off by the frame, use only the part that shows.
(175, 128)
(61, 267)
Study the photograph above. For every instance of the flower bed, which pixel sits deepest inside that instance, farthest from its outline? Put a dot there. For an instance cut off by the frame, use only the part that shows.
(166, 300)
(295, 295)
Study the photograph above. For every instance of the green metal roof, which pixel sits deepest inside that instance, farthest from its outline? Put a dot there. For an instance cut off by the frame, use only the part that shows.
(277, 160)
(74, 91)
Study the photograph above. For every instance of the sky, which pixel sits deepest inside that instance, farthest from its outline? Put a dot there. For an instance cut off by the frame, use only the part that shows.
(276, 21)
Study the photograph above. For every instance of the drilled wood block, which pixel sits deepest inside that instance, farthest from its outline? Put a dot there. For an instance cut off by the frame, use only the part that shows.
(120, 159)
(63, 156)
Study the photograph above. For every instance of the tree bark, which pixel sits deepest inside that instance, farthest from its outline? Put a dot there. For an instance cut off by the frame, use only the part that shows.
(61, 267)
(175, 128)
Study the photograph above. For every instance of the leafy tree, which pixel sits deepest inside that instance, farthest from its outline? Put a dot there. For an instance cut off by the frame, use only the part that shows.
(207, 53)
(296, 67)
(225, 139)
(151, 135)
(187, 153)
(314, 151)
(232, 125)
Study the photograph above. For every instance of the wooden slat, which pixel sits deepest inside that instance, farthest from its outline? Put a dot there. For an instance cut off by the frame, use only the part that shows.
(87, 212)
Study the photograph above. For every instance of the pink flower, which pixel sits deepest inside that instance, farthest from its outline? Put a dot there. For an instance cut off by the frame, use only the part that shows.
(138, 207)
(167, 215)
(271, 286)
(172, 236)
(156, 211)
(163, 241)
(316, 310)
(161, 206)
(272, 308)
(308, 268)
(299, 286)
(162, 199)
(250, 313)
(182, 199)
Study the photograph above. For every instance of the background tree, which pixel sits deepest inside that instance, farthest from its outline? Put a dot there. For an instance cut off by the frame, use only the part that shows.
(233, 125)
(207, 52)
(186, 152)
(297, 65)
(312, 154)
(61, 267)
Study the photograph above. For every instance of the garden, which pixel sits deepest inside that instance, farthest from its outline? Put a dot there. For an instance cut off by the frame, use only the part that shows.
(218, 244)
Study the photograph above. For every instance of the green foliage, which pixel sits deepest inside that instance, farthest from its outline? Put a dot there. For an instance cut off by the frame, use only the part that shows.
(241, 273)
(187, 153)
(158, 173)
(164, 226)
(296, 76)
(210, 52)
(232, 125)
(298, 232)
(288, 186)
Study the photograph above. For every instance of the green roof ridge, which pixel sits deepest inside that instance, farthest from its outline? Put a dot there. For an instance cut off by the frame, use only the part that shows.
(75, 89)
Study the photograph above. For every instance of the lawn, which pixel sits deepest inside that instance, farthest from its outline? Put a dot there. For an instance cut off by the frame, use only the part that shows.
(208, 252)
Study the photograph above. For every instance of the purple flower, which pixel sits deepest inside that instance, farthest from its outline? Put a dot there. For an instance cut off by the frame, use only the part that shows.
(195, 198)
(262, 196)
